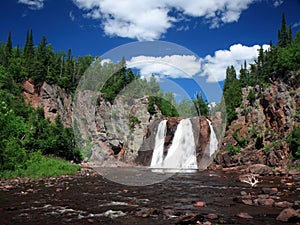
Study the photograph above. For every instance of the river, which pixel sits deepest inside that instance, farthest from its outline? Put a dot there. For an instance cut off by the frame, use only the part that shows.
(208, 197)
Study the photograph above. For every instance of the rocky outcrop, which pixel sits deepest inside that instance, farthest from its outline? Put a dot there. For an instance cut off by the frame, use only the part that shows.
(105, 131)
(259, 134)
(55, 100)
(115, 131)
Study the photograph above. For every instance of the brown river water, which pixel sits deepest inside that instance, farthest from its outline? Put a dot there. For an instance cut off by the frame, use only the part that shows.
(208, 197)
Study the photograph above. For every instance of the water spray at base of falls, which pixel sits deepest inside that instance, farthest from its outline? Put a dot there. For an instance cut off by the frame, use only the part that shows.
(182, 152)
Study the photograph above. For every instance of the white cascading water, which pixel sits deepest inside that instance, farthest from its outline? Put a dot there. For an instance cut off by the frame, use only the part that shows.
(157, 157)
(182, 153)
(213, 141)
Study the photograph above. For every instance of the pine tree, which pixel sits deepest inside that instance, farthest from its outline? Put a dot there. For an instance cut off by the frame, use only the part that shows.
(290, 35)
(8, 50)
(29, 47)
(201, 105)
(41, 62)
(283, 34)
(28, 55)
(232, 93)
(244, 75)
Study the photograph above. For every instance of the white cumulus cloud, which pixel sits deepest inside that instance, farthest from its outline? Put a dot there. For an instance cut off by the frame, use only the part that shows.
(150, 20)
(175, 66)
(187, 66)
(214, 67)
(33, 4)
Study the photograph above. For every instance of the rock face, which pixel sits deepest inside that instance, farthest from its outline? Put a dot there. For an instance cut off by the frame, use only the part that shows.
(123, 124)
(115, 131)
(201, 131)
(111, 133)
(259, 133)
(55, 100)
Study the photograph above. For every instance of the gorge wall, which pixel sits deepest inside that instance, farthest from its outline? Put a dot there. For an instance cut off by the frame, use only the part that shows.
(118, 133)
(125, 131)
(55, 100)
(260, 133)
(105, 128)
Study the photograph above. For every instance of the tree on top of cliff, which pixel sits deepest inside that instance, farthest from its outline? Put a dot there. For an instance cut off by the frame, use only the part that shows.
(284, 34)
(42, 63)
(201, 105)
(8, 50)
(232, 94)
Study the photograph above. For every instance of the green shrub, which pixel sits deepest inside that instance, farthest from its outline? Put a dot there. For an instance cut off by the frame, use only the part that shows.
(251, 97)
(233, 150)
(267, 148)
(242, 142)
(295, 142)
(133, 121)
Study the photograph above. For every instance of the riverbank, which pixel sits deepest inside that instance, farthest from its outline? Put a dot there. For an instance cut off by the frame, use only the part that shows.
(208, 197)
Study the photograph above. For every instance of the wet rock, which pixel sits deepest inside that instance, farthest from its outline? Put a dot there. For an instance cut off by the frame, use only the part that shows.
(189, 219)
(168, 213)
(90, 220)
(260, 169)
(289, 184)
(294, 172)
(283, 204)
(243, 193)
(266, 201)
(212, 216)
(247, 201)
(6, 187)
(289, 215)
(205, 223)
(199, 204)
(243, 215)
(58, 189)
(263, 196)
(30, 190)
(270, 191)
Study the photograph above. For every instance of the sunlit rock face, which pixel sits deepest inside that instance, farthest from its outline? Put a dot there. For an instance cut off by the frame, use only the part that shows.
(264, 124)
(55, 101)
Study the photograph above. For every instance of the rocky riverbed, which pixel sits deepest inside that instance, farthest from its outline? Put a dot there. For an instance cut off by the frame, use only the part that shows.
(208, 197)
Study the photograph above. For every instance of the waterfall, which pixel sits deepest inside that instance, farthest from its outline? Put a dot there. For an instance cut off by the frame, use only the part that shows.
(213, 141)
(157, 157)
(182, 152)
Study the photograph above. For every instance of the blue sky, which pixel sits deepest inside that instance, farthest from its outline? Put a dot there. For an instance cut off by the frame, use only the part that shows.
(209, 34)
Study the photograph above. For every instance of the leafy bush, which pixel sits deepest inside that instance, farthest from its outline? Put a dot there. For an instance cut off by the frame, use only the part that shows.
(295, 142)
(251, 97)
(242, 142)
(166, 108)
(233, 150)
(133, 121)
